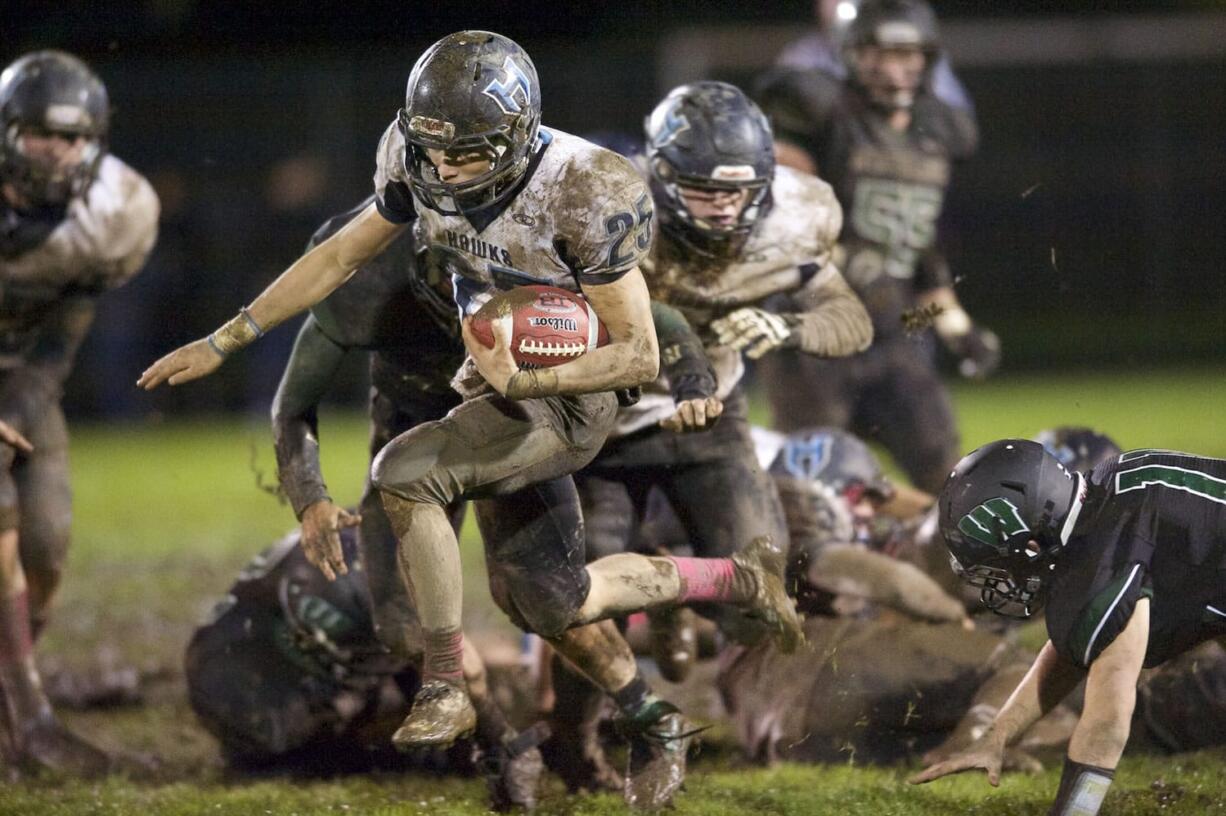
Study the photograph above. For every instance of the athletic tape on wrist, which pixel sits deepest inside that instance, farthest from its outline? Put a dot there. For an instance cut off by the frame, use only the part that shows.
(1082, 789)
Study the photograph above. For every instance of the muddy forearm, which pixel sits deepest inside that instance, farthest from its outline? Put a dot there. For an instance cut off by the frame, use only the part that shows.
(884, 580)
(308, 375)
(682, 357)
(1048, 682)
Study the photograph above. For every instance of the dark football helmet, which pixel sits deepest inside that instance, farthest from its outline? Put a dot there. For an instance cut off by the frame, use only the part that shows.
(51, 93)
(1006, 512)
(835, 458)
(891, 24)
(709, 136)
(1078, 448)
(472, 92)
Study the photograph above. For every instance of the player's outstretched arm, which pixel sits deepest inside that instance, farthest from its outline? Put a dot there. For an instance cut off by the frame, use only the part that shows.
(1049, 681)
(309, 280)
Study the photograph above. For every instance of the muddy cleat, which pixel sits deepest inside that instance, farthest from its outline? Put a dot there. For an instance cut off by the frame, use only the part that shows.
(513, 770)
(45, 744)
(674, 642)
(441, 714)
(766, 564)
(659, 738)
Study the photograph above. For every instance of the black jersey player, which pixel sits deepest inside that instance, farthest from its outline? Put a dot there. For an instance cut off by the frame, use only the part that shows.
(1126, 560)
(887, 146)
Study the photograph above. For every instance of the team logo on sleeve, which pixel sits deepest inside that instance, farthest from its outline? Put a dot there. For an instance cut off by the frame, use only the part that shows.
(512, 93)
(993, 522)
(807, 457)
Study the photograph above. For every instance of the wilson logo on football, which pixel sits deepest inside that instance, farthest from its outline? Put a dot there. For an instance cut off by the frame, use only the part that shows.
(566, 324)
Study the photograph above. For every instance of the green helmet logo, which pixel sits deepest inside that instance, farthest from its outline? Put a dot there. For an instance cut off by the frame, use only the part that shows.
(993, 523)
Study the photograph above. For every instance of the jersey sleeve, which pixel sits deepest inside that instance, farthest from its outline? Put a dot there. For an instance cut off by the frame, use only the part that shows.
(393, 197)
(1081, 634)
(111, 230)
(606, 218)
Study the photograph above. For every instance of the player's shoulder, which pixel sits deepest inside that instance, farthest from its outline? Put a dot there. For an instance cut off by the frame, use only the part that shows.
(803, 208)
(120, 201)
(589, 170)
(953, 127)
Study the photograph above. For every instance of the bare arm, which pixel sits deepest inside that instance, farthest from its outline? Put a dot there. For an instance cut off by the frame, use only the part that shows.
(307, 281)
(1049, 681)
(1111, 694)
(849, 570)
(632, 356)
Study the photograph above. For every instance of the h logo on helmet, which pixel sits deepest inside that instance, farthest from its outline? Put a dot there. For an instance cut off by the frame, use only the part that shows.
(805, 458)
(514, 84)
(674, 125)
(993, 522)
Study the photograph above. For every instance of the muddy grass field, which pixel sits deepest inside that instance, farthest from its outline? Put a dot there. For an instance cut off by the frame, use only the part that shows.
(167, 512)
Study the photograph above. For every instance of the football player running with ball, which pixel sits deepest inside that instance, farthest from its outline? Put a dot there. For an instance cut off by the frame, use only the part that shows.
(75, 221)
(1126, 559)
(468, 164)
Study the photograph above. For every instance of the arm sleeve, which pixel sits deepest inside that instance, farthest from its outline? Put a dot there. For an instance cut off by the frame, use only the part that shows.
(295, 426)
(830, 320)
(393, 198)
(46, 366)
(1100, 620)
(609, 231)
(682, 358)
(933, 271)
(850, 570)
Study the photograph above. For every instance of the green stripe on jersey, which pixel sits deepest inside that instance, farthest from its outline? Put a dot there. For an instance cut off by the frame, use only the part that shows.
(1195, 482)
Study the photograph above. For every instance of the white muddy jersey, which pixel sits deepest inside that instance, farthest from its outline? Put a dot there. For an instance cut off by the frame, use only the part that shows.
(583, 216)
(790, 249)
(101, 243)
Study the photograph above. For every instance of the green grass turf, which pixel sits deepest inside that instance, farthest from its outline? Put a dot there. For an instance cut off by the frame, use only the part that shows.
(167, 512)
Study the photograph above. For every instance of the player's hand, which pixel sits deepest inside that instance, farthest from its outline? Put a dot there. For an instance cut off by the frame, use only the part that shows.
(753, 331)
(321, 536)
(184, 364)
(496, 364)
(983, 753)
(11, 436)
(694, 415)
(978, 351)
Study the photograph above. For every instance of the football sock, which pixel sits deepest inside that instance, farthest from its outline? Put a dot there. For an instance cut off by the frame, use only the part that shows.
(444, 651)
(23, 691)
(710, 579)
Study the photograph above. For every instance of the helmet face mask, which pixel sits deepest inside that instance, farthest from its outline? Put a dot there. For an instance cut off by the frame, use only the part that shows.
(471, 95)
(54, 115)
(707, 139)
(1006, 513)
(890, 49)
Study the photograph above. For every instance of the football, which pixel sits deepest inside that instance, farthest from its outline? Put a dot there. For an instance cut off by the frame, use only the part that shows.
(550, 326)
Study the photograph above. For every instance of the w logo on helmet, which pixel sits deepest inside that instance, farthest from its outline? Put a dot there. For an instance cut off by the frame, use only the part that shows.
(805, 458)
(514, 84)
(993, 523)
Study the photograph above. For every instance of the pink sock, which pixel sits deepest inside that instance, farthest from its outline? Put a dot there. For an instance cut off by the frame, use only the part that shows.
(444, 658)
(705, 579)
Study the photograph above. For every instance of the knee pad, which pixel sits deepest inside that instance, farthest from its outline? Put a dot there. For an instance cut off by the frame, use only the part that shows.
(405, 467)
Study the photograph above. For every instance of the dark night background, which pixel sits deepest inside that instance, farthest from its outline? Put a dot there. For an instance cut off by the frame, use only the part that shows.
(1088, 230)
